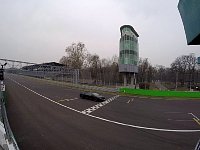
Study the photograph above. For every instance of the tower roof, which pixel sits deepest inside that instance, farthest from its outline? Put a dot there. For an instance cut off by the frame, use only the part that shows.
(129, 26)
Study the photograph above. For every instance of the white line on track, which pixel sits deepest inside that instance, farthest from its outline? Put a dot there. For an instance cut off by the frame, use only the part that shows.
(99, 105)
(180, 120)
(173, 112)
(130, 101)
(194, 116)
(184, 120)
(103, 119)
(63, 100)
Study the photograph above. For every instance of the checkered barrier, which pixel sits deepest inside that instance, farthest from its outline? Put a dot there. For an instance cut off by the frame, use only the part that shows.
(93, 108)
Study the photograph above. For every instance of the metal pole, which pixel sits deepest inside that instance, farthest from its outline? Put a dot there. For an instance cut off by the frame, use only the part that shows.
(125, 81)
(176, 79)
(134, 80)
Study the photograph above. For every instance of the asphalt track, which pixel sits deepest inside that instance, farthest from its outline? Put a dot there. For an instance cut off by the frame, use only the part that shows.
(46, 116)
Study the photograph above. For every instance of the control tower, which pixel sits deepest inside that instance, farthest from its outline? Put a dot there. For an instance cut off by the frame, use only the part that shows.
(128, 53)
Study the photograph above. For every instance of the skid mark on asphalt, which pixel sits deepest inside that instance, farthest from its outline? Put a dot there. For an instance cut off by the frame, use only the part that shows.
(95, 107)
(107, 120)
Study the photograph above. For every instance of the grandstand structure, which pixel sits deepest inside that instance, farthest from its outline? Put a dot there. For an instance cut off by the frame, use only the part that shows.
(51, 70)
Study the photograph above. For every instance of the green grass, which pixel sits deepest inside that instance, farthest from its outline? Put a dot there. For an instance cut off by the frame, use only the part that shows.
(157, 93)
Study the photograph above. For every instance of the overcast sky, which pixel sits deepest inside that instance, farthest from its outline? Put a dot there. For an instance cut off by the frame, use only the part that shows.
(40, 30)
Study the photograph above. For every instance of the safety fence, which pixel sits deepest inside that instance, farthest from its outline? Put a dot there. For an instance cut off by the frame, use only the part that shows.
(79, 86)
(63, 78)
(7, 139)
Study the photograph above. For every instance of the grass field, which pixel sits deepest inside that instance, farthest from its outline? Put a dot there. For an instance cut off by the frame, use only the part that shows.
(157, 93)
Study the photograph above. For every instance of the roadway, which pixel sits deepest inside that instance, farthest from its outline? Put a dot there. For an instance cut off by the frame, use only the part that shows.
(44, 115)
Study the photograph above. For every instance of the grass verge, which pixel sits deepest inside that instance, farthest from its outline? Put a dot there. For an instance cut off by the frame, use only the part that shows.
(157, 93)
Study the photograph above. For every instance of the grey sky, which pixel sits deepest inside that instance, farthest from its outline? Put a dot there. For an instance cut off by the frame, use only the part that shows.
(39, 30)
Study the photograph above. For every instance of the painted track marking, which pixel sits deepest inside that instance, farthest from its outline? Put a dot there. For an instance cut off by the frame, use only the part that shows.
(106, 120)
(173, 112)
(131, 100)
(194, 116)
(197, 121)
(62, 100)
(71, 99)
(95, 107)
(180, 120)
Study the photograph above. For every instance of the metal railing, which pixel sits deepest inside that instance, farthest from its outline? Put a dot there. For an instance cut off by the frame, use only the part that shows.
(9, 137)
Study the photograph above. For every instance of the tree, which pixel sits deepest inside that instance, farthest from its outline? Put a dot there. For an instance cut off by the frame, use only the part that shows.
(184, 69)
(65, 61)
(76, 54)
(191, 61)
(145, 70)
(94, 65)
(160, 72)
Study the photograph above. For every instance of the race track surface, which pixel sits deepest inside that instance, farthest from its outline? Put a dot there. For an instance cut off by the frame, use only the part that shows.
(46, 116)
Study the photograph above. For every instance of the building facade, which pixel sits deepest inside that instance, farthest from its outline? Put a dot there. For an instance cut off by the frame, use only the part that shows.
(198, 60)
(128, 52)
(128, 49)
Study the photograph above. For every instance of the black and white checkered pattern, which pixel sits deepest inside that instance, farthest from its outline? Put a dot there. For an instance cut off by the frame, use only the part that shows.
(93, 108)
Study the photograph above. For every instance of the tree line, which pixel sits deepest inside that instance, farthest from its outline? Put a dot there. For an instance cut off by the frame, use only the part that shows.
(94, 70)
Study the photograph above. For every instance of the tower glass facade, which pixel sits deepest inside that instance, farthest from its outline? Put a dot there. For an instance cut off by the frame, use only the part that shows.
(129, 49)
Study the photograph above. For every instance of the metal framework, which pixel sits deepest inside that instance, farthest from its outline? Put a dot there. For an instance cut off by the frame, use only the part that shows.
(52, 70)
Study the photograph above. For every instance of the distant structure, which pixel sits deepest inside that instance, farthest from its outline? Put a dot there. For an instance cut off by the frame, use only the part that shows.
(128, 53)
(198, 63)
(198, 60)
(190, 14)
(51, 70)
(44, 66)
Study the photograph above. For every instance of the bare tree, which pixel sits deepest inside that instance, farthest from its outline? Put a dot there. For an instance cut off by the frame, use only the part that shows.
(184, 69)
(191, 61)
(65, 61)
(76, 54)
(94, 65)
(109, 70)
(161, 72)
(145, 70)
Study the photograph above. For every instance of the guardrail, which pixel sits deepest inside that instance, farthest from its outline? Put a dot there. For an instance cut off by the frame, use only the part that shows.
(104, 89)
(7, 139)
(72, 84)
